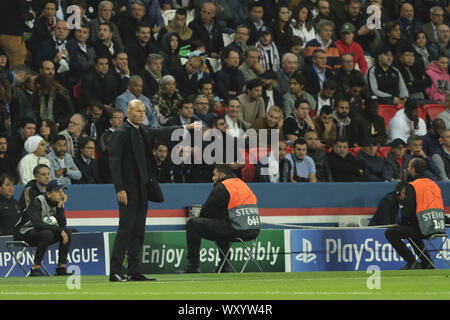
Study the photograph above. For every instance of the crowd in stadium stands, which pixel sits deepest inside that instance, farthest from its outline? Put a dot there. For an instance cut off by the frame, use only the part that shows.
(354, 89)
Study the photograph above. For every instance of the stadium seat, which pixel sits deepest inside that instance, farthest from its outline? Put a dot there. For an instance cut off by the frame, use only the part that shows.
(354, 151)
(383, 151)
(10, 245)
(312, 113)
(433, 110)
(387, 111)
(77, 91)
(248, 173)
(248, 250)
(421, 113)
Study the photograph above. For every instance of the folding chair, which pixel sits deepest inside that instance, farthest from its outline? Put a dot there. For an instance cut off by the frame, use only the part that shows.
(437, 251)
(248, 251)
(25, 247)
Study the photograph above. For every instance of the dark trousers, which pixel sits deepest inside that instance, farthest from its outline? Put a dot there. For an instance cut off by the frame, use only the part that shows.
(43, 239)
(395, 235)
(216, 230)
(130, 234)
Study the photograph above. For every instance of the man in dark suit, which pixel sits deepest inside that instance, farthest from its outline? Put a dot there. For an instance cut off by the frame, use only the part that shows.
(134, 185)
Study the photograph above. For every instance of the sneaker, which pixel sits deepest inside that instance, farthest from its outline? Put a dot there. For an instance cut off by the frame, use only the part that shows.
(36, 273)
(189, 269)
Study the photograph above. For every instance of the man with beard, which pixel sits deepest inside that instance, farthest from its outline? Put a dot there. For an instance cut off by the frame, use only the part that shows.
(8, 163)
(341, 118)
(36, 186)
(229, 81)
(270, 95)
(406, 122)
(63, 167)
(368, 124)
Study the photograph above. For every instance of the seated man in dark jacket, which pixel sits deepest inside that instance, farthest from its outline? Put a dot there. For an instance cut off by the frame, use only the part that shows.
(10, 212)
(44, 223)
(343, 165)
(373, 165)
(395, 160)
(319, 156)
(229, 81)
(36, 186)
(90, 173)
(388, 210)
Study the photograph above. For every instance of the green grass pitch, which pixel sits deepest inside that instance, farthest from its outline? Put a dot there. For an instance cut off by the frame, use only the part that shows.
(410, 284)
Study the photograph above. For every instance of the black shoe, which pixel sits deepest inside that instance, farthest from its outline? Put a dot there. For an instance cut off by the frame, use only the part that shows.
(139, 277)
(416, 265)
(427, 265)
(117, 278)
(62, 272)
(36, 273)
(189, 269)
(406, 267)
(226, 268)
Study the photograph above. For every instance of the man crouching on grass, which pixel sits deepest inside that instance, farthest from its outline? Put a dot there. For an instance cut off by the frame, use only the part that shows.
(44, 223)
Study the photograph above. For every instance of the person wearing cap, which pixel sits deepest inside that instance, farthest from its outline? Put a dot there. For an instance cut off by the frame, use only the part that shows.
(395, 160)
(37, 149)
(406, 122)
(269, 56)
(347, 45)
(373, 165)
(385, 81)
(38, 229)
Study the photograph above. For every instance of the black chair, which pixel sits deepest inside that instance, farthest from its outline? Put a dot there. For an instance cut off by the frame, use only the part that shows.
(11, 245)
(249, 251)
(438, 251)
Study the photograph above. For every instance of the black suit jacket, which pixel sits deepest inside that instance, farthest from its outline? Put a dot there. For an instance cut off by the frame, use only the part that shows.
(313, 83)
(128, 162)
(94, 87)
(213, 41)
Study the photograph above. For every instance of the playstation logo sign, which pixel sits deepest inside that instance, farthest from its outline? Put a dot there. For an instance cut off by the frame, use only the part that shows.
(306, 256)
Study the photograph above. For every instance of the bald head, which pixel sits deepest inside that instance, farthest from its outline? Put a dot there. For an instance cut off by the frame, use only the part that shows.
(208, 12)
(407, 11)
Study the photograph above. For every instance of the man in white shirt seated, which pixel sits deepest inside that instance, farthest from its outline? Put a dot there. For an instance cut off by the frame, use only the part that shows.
(236, 127)
(406, 122)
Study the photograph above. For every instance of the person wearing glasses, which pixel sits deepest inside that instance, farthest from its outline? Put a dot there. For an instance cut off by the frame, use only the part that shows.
(74, 132)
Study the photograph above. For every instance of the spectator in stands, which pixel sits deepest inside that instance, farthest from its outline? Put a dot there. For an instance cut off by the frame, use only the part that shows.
(85, 53)
(178, 25)
(105, 14)
(296, 48)
(162, 169)
(431, 141)
(269, 56)
(19, 75)
(85, 162)
(299, 122)
(152, 74)
(255, 21)
(323, 41)
(139, 48)
(385, 81)
(36, 186)
(422, 49)
(8, 163)
(372, 165)
(326, 94)
(289, 65)
(347, 45)
(120, 70)
(48, 130)
(129, 20)
(188, 77)
(445, 115)
(185, 114)
(229, 81)
(10, 212)
(205, 28)
(205, 87)
(47, 68)
(105, 45)
(368, 124)
(408, 25)
(235, 126)
(240, 41)
(393, 38)
(278, 168)
(16, 140)
(323, 10)
(170, 50)
(406, 122)
(316, 152)
(442, 43)
(346, 73)
(325, 127)
(416, 151)
(115, 120)
(270, 95)
(436, 19)
(166, 100)
(134, 91)
(94, 125)
(341, 118)
(44, 24)
(354, 94)
(302, 23)
(351, 14)
(62, 165)
(201, 110)
(74, 132)
(251, 68)
(442, 157)
(251, 103)
(303, 167)
(36, 149)
(343, 165)
(265, 127)
(438, 72)
(389, 208)
(99, 84)
(62, 52)
(282, 30)
(317, 72)
(414, 75)
(395, 160)
(52, 101)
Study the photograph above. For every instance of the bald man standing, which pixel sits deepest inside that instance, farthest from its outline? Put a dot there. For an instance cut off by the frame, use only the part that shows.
(131, 147)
